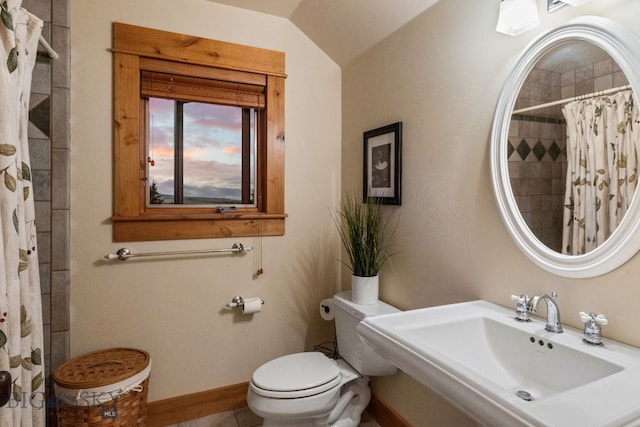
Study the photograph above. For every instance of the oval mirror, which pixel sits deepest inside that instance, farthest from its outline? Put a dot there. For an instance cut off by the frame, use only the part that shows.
(563, 149)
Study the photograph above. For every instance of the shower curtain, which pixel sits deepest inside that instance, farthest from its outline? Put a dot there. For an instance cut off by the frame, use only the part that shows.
(21, 337)
(603, 134)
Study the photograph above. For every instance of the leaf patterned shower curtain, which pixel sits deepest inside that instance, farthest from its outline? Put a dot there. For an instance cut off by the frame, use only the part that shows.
(603, 138)
(21, 336)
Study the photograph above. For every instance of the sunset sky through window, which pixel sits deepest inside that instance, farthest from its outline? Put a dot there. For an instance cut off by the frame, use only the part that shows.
(212, 150)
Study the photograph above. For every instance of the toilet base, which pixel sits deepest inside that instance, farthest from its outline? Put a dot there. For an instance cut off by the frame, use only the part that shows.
(354, 398)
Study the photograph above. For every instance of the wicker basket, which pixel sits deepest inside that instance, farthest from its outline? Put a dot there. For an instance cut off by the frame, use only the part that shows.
(103, 388)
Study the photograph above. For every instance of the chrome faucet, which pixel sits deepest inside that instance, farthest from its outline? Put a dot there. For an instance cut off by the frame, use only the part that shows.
(553, 313)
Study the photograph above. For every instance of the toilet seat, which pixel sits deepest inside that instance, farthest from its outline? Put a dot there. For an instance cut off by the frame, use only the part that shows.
(296, 376)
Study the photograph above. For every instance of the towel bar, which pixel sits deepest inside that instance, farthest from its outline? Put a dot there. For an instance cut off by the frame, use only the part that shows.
(124, 254)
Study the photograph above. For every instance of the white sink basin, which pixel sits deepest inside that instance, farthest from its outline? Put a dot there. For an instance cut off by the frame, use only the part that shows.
(504, 372)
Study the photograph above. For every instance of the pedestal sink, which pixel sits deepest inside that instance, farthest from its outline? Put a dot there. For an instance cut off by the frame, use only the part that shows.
(503, 372)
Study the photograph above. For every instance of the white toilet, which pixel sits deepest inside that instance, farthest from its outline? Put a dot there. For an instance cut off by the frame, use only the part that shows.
(311, 389)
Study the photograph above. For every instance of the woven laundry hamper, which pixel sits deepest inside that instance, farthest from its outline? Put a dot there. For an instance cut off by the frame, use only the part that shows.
(103, 388)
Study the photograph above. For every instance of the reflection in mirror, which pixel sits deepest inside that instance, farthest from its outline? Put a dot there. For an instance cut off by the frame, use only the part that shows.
(572, 147)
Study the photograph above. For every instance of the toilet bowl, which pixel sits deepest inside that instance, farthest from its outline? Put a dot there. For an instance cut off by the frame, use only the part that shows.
(311, 389)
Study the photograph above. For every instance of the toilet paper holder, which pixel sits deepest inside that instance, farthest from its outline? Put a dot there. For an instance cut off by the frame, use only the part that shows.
(238, 301)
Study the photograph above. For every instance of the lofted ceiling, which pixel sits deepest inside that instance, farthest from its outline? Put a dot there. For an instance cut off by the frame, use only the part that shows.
(343, 29)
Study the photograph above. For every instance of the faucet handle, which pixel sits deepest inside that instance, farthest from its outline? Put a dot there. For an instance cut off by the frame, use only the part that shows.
(522, 314)
(592, 327)
(521, 299)
(599, 319)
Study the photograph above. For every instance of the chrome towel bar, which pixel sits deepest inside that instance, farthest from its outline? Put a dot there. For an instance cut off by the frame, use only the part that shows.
(124, 254)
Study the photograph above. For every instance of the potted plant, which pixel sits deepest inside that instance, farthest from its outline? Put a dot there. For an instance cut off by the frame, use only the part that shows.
(365, 230)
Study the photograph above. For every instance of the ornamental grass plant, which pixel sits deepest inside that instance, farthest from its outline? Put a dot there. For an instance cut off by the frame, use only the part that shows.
(365, 230)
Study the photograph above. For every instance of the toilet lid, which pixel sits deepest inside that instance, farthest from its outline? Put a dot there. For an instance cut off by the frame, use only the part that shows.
(296, 375)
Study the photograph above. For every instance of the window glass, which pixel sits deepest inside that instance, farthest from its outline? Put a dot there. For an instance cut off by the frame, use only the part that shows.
(200, 153)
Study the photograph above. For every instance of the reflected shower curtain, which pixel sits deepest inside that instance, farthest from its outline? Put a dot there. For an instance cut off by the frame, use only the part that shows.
(603, 134)
(21, 338)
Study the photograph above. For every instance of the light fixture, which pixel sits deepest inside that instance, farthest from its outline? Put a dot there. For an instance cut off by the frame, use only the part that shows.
(576, 2)
(552, 5)
(517, 16)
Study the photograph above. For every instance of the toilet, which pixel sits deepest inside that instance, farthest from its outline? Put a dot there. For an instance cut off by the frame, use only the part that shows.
(311, 389)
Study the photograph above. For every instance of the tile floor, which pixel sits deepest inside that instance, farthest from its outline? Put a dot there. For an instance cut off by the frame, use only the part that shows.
(244, 418)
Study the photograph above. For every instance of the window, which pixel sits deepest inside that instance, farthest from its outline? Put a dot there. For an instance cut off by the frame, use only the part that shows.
(198, 137)
(200, 154)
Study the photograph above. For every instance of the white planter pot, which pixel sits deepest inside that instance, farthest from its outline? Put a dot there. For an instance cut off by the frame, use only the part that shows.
(364, 290)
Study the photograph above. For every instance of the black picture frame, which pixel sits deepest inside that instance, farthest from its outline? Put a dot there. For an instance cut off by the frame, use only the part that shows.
(382, 164)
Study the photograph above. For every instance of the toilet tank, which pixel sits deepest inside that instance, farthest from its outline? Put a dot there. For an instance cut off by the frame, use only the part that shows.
(350, 347)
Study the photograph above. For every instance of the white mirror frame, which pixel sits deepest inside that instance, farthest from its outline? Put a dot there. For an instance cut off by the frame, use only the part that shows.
(624, 47)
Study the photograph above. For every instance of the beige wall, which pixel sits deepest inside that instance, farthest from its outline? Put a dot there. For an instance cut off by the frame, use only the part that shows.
(173, 308)
(441, 75)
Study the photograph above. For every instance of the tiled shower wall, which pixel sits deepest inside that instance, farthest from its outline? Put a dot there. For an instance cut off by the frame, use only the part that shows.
(537, 160)
(49, 147)
(537, 143)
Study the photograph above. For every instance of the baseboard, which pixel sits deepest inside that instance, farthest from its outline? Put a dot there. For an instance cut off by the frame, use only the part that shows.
(384, 414)
(197, 405)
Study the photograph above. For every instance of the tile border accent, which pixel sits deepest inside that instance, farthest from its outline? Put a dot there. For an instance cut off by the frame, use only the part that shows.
(538, 119)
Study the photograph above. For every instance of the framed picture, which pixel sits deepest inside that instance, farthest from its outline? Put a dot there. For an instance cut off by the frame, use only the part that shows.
(383, 164)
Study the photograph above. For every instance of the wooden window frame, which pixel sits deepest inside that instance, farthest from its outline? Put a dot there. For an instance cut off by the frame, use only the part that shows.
(136, 49)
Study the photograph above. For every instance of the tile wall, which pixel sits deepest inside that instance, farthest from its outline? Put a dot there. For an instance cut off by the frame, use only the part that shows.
(50, 157)
(537, 160)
